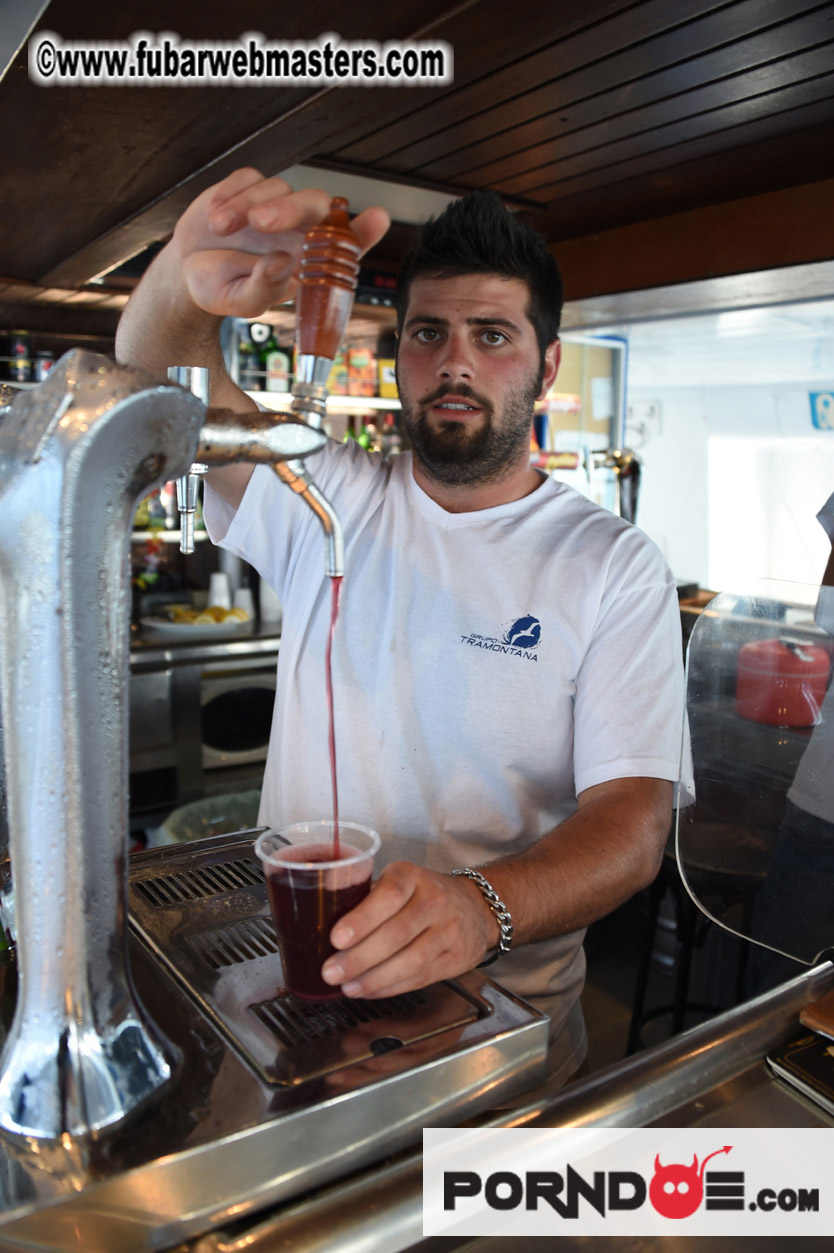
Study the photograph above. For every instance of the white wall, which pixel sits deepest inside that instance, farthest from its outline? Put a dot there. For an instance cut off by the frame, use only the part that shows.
(734, 471)
(674, 501)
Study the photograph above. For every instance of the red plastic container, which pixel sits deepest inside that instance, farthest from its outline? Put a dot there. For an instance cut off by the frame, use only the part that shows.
(781, 682)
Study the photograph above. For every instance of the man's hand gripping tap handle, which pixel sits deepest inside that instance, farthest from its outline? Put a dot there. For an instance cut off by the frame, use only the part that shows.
(327, 280)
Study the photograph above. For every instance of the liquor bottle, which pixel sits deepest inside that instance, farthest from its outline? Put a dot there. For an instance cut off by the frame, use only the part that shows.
(263, 339)
(337, 382)
(390, 441)
(44, 361)
(276, 368)
(19, 366)
(248, 360)
(368, 436)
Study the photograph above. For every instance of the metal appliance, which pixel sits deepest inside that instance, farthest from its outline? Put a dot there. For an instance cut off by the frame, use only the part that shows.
(236, 704)
(146, 1098)
(178, 753)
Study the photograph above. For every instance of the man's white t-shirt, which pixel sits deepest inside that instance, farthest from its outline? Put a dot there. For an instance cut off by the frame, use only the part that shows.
(487, 668)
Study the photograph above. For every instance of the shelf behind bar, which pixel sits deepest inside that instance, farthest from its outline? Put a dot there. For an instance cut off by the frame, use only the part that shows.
(167, 537)
(336, 404)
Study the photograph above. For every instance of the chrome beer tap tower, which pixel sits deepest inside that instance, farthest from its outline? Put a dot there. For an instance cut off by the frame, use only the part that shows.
(76, 454)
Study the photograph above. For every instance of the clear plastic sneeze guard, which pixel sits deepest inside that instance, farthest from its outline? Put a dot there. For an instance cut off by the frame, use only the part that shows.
(756, 849)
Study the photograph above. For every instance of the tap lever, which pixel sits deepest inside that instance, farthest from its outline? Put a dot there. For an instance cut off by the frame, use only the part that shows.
(188, 487)
(197, 379)
(327, 281)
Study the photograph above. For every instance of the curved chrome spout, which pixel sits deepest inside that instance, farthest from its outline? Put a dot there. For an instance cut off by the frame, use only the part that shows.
(294, 474)
(279, 440)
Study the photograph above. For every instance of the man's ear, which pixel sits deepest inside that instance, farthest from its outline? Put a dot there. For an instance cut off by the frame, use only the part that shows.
(552, 360)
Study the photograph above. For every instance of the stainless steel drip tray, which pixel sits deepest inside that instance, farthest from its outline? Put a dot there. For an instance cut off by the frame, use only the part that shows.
(272, 1097)
(202, 908)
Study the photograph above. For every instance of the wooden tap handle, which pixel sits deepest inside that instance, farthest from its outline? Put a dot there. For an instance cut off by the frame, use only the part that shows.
(327, 281)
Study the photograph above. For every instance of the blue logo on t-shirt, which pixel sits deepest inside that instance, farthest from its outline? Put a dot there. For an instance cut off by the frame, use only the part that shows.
(524, 633)
(518, 640)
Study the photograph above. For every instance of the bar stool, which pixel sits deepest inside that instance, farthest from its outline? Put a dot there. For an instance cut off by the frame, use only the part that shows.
(733, 857)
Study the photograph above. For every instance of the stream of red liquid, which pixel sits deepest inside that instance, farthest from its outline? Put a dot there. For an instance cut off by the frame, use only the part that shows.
(335, 596)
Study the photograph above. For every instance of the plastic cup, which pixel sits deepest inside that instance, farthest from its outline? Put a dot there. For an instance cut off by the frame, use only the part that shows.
(309, 891)
(220, 595)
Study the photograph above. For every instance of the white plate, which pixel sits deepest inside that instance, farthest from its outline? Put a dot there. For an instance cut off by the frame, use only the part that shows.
(163, 627)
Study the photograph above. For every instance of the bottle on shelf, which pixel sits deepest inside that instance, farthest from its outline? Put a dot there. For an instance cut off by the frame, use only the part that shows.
(19, 368)
(337, 383)
(247, 358)
(368, 437)
(362, 377)
(44, 361)
(390, 442)
(387, 364)
(387, 367)
(277, 367)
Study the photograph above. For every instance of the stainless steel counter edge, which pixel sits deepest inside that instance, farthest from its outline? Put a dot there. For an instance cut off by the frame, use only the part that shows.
(160, 1204)
(153, 655)
(382, 1210)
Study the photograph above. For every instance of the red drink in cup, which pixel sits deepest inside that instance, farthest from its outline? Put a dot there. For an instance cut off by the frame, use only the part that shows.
(310, 890)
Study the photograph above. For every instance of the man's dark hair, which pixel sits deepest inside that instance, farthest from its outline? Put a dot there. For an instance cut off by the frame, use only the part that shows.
(478, 235)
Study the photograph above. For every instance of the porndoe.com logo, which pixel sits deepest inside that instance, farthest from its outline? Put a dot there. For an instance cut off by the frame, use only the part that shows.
(598, 1181)
(518, 640)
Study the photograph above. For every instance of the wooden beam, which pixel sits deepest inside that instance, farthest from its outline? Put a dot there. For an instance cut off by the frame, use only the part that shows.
(65, 320)
(792, 284)
(780, 228)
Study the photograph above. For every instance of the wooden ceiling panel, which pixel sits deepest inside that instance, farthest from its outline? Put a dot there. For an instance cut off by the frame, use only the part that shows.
(792, 160)
(593, 116)
(560, 52)
(684, 90)
(678, 144)
(670, 144)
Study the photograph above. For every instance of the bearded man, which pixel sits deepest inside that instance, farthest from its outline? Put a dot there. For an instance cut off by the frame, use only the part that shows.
(507, 675)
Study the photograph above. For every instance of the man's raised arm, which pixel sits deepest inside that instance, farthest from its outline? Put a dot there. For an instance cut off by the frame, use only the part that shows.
(234, 253)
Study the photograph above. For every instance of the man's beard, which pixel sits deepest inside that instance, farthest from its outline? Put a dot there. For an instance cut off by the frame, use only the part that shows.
(453, 454)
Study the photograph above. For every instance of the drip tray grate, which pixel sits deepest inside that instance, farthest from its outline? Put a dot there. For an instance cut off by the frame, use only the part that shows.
(195, 885)
(242, 941)
(295, 1021)
(208, 919)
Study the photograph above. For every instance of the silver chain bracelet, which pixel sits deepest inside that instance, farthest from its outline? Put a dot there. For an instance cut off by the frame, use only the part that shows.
(502, 914)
